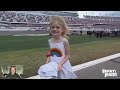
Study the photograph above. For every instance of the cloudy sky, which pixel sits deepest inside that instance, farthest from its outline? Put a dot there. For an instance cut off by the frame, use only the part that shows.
(100, 13)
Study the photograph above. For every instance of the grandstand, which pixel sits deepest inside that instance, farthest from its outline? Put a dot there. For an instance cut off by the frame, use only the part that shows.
(61, 13)
(38, 21)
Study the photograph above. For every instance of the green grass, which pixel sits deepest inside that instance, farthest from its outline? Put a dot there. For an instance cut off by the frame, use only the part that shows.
(12, 43)
(30, 51)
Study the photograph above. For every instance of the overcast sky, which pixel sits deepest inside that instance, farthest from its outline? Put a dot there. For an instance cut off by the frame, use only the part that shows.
(99, 13)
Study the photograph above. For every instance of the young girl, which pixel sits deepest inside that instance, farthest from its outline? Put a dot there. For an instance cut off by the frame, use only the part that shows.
(59, 48)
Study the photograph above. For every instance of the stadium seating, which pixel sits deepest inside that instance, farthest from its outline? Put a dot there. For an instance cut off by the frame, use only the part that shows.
(11, 21)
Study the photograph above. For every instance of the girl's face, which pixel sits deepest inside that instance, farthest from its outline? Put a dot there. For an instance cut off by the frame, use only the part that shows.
(56, 29)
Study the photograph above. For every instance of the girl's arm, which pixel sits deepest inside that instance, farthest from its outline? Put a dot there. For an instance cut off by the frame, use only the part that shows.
(48, 57)
(48, 60)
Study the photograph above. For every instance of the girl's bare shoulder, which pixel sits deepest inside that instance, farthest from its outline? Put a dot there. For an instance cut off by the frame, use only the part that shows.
(65, 41)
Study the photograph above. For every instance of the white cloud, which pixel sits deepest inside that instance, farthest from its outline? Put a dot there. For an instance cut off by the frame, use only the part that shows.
(99, 13)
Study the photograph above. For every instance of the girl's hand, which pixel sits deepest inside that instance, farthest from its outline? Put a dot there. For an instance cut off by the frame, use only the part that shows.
(59, 67)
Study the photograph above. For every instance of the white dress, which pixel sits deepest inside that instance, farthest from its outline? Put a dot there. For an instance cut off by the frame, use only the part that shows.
(48, 70)
(58, 53)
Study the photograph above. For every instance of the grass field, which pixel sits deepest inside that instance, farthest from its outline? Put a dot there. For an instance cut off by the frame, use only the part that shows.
(30, 51)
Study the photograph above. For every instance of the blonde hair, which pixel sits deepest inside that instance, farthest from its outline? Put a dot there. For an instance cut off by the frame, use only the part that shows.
(62, 23)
